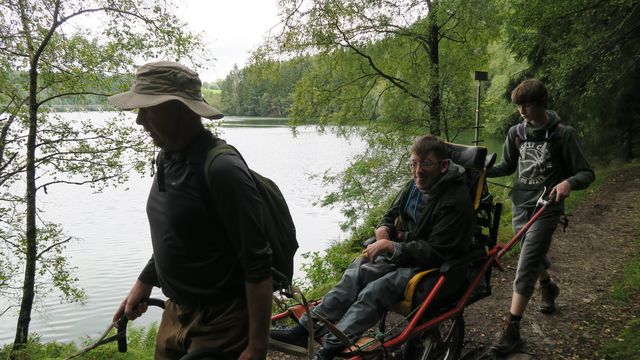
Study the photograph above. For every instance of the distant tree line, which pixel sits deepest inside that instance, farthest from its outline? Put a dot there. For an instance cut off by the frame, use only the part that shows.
(264, 88)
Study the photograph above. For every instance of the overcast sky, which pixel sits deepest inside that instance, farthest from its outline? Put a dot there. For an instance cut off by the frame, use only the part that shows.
(232, 28)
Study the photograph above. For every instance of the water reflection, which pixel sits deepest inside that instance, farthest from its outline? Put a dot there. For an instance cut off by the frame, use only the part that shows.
(112, 234)
(235, 121)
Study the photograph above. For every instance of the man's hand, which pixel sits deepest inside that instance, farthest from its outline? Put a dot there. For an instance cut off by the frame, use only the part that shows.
(132, 306)
(382, 233)
(379, 247)
(253, 353)
(560, 191)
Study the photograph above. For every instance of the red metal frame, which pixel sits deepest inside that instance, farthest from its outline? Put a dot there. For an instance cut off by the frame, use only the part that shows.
(413, 328)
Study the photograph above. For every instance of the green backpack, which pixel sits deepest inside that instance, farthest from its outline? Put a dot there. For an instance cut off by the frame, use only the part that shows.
(280, 229)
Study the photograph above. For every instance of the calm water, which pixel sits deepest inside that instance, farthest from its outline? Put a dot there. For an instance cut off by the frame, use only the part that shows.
(112, 231)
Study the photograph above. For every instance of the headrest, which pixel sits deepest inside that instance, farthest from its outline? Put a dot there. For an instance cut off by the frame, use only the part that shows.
(490, 160)
(474, 157)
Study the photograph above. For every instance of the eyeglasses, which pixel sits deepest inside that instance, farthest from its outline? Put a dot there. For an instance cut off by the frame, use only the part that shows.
(424, 165)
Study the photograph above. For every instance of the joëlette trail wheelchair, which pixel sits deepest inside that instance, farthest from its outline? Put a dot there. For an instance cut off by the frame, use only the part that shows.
(428, 323)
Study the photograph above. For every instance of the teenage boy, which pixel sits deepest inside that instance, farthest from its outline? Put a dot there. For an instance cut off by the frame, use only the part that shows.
(544, 154)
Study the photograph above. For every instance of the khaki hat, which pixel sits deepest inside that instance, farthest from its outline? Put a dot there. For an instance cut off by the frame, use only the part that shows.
(161, 81)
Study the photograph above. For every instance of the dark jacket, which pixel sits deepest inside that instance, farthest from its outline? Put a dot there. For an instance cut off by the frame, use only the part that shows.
(540, 163)
(206, 242)
(445, 224)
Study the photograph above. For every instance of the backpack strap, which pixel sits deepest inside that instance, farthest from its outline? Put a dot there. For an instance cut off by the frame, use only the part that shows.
(217, 150)
(520, 134)
(554, 137)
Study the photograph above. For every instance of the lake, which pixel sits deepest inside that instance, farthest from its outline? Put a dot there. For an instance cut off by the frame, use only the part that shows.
(112, 234)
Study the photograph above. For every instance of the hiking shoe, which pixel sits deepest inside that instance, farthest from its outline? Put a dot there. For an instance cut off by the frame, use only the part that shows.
(328, 352)
(509, 341)
(291, 340)
(548, 295)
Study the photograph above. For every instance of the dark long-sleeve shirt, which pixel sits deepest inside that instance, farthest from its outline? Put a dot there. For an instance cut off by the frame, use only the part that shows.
(207, 240)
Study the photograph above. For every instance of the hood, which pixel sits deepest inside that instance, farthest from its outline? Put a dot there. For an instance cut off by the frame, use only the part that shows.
(454, 174)
(539, 132)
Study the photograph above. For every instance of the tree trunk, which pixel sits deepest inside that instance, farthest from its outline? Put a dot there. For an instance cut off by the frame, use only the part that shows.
(435, 102)
(28, 287)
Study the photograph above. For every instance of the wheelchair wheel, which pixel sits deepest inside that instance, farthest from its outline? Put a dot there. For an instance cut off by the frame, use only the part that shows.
(443, 342)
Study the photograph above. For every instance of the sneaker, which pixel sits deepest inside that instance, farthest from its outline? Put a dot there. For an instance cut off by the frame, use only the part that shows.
(328, 353)
(548, 295)
(291, 340)
(509, 341)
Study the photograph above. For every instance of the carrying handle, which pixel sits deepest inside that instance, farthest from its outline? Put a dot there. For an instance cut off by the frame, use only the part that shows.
(543, 204)
(122, 323)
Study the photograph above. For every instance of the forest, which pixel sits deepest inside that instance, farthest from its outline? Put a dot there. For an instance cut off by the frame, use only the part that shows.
(385, 71)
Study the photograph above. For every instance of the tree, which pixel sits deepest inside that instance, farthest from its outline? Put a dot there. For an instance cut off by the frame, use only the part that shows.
(587, 53)
(262, 88)
(392, 47)
(399, 68)
(51, 49)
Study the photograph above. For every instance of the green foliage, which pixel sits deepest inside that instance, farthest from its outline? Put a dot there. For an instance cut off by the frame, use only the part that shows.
(213, 97)
(628, 288)
(394, 70)
(586, 51)
(627, 344)
(498, 114)
(49, 56)
(395, 62)
(262, 88)
(140, 345)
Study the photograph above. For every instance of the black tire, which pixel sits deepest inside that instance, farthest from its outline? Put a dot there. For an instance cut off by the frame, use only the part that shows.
(443, 342)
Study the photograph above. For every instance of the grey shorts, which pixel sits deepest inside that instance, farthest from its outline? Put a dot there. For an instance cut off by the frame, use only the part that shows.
(534, 245)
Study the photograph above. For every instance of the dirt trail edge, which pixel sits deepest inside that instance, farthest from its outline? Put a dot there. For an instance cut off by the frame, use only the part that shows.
(587, 259)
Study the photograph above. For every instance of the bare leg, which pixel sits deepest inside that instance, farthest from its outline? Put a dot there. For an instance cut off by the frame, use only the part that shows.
(518, 304)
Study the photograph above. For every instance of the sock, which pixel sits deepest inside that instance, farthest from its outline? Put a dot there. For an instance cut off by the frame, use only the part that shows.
(514, 318)
(545, 282)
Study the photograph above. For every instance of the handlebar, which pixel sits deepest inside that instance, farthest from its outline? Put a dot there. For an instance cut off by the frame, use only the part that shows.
(122, 324)
(542, 202)
(206, 353)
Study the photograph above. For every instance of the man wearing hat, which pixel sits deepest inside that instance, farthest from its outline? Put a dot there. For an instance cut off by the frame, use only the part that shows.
(210, 254)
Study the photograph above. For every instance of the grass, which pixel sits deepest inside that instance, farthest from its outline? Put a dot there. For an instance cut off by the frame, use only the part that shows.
(141, 345)
(627, 290)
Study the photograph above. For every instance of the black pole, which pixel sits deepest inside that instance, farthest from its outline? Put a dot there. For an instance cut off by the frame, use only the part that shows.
(480, 76)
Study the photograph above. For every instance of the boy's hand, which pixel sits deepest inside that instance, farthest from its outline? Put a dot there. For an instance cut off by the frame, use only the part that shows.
(560, 191)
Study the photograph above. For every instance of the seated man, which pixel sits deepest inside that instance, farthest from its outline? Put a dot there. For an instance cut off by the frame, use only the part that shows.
(436, 212)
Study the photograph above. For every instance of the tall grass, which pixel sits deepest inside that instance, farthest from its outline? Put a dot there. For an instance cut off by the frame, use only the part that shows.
(627, 291)
(141, 345)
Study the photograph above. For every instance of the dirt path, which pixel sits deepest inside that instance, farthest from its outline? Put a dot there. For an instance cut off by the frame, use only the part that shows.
(587, 259)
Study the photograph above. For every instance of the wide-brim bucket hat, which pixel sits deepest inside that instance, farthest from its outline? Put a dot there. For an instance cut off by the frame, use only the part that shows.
(162, 81)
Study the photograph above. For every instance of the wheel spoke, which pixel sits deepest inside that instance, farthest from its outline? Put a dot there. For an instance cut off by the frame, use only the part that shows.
(444, 342)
